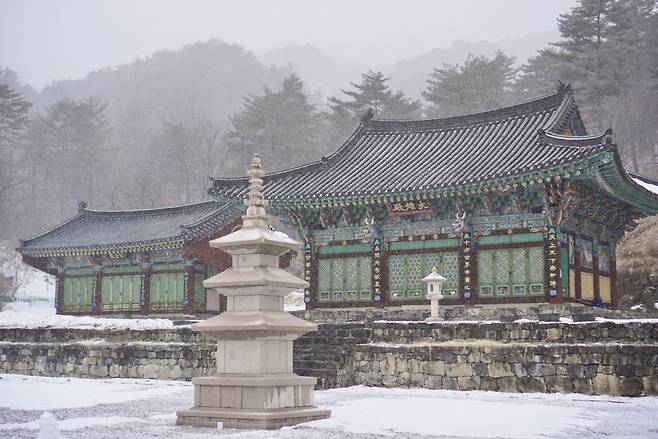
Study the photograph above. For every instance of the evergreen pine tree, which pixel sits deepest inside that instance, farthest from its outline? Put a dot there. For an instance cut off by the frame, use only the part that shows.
(539, 76)
(283, 126)
(372, 93)
(13, 122)
(479, 84)
(13, 116)
(65, 153)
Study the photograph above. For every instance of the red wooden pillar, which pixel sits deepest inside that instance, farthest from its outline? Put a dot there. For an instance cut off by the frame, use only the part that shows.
(98, 288)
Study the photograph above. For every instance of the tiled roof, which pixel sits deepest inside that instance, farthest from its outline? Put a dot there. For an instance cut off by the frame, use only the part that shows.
(397, 156)
(94, 229)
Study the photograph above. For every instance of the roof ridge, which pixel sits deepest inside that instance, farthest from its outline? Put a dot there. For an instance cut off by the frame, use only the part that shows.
(217, 212)
(225, 181)
(154, 210)
(545, 102)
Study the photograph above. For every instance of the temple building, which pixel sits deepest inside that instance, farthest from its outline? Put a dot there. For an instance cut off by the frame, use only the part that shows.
(149, 261)
(519, 204)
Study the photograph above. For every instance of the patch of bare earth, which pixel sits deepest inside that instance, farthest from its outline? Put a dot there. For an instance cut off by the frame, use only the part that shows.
(637, 265)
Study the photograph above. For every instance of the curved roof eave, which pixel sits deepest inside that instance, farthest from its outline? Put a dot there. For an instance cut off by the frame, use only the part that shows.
(618, 183)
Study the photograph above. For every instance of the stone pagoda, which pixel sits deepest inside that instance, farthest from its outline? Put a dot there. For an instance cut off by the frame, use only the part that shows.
(254, 386)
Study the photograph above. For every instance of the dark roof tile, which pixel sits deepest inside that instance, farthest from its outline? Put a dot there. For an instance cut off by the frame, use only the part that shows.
(95, 228)
(389, 156)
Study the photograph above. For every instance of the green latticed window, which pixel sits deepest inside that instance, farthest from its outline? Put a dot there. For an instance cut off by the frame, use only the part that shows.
(511, 272)
(405, 274)
(78, 293)
(167, 291)
(344, 279)
(121, 292)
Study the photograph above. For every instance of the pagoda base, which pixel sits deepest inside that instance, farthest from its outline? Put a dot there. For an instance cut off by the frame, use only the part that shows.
(250, 419)
(262, 401)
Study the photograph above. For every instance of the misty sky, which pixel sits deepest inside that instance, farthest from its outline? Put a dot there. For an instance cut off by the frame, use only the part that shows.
(55, 39)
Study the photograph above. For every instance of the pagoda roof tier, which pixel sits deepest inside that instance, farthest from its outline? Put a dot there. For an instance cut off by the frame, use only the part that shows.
(388, 160)
(96, 232)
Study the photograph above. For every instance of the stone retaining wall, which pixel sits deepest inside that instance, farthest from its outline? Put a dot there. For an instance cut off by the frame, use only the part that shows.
(100, 359)
(601, 357)
(628, 370)
(501, 312)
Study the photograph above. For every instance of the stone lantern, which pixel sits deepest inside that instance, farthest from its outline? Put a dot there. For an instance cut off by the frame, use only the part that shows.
(254, 386)
(434, 284)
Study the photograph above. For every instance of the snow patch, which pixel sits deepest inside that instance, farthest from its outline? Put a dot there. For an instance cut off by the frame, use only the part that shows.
(52, 430)
(27, 319)
(294, 301)
(48, 427)
(648, 186)
(42, 393)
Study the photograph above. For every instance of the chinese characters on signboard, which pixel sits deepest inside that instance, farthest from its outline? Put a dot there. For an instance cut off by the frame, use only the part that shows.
(468, 264)
(307, 271)
(413, 207)
(553, 262)
(377, 269)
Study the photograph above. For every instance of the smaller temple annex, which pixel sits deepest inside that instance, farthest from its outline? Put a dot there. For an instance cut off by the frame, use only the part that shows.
(150, 261)
(514, 205)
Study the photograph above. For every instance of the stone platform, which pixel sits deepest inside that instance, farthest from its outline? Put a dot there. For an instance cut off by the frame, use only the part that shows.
(252, 401)
(246, 419)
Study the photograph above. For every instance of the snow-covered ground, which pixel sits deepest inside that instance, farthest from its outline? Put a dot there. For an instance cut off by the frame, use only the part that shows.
(119, 408)
(26, 315)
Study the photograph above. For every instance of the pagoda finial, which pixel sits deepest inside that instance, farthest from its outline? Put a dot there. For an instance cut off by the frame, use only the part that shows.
(255, 201)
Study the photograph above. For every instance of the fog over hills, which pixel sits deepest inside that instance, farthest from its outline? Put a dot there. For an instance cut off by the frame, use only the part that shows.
(211, 78)
(326, 74)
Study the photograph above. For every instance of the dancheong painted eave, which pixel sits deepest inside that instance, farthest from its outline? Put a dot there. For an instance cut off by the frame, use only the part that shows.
(386, 160)
(96, 232)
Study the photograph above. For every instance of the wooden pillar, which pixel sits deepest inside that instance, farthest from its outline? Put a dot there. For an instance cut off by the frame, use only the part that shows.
(576, 272)
(595, 273)
(188, 293)
(613, 277)
(552, 265)
(59, 291)
(145, 302)
(98, 288)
